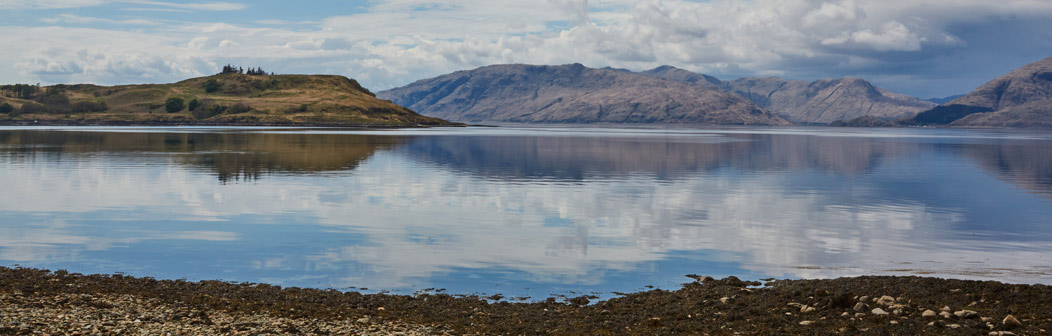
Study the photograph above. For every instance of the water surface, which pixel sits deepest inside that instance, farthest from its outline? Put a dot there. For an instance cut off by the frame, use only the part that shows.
(526, 211)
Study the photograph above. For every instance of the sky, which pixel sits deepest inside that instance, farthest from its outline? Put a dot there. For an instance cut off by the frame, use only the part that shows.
(925, 48)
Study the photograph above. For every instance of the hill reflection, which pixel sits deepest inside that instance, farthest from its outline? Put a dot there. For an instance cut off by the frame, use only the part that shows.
(230, 156)
(1026, 164)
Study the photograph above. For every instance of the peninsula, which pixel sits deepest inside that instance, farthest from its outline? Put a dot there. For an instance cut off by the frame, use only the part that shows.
(233, 97)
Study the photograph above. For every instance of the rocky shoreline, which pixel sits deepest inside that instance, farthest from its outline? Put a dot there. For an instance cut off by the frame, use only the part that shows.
(34, 302)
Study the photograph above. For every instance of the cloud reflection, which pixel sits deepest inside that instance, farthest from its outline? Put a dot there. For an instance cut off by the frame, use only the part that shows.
(566, 210)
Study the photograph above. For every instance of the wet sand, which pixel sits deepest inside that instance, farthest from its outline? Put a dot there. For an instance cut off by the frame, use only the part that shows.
(59, 303)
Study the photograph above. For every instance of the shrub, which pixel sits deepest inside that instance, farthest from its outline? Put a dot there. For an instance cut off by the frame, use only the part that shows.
(239, 108)
(6, 108)
(33, 108)
(212, 85)
(173, 104)
(88, 106)
(193, 104)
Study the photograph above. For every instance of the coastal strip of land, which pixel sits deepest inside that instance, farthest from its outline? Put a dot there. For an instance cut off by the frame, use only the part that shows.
(37, 302)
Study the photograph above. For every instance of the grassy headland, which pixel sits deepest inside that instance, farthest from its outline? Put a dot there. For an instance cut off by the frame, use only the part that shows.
(223, 99)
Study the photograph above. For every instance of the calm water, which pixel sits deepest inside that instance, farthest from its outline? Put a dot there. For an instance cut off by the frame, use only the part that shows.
(525, 211)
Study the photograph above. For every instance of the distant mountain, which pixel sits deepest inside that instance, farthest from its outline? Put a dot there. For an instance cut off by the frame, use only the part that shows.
(827, 100)
(574, 94)
(677, 74)
(223, 99)
(822, 101)
(1021, 98)
(944, 100)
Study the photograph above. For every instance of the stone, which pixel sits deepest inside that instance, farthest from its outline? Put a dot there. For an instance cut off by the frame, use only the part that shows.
(966, 314)
(885, 300)
(1011, 322)
(1001, 333)
(928, 313)
(363, 320)
(953, 326)
(807, 309)
(945, 314)
(806, 323)
(863, 299)
(945, 309)
(878, 311)
(725, 299)
(860, 306)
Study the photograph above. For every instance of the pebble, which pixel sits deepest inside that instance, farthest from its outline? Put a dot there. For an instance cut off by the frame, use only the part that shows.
(863, 299)
(966, 314)
(724, 299)
(885, 300)
(928, 313)
(807, 309)
(945, 314)
(945, 309)
(878, 311)
(860, 306)
(806, 323)
(953, 326)
(1001, 333)
(138, 316)
(1011, 322)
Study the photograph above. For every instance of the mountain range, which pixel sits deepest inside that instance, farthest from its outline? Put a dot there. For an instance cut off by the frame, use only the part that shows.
(1021, 98)
(578, 94)
(574, 93)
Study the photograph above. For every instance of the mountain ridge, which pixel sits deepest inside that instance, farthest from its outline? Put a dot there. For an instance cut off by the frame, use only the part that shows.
(573, 93)
(821, 101)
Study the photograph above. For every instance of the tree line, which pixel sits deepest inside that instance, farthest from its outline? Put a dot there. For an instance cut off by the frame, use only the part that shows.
(52, 99)
(258, 71)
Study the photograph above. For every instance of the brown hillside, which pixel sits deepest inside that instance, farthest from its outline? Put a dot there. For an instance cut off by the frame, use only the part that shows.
(233, 99)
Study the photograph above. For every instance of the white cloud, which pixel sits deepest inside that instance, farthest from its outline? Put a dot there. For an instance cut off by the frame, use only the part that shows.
(205, 6)
(393, 42)
(892, 36)
(48, 4)
(70, 18)
(57, 4)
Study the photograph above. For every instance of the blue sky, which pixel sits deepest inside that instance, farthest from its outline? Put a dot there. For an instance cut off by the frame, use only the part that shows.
(926, 48)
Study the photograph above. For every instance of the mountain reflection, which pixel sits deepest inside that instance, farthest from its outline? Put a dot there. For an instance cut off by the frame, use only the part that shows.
(1026, 164)
(577, 158)
(231, 156)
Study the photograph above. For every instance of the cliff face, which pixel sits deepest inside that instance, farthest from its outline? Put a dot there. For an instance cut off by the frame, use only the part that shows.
(1021, 98)
(574, 94)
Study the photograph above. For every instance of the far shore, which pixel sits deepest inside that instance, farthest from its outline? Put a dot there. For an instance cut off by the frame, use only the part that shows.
(191, 124)
(36, 301)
